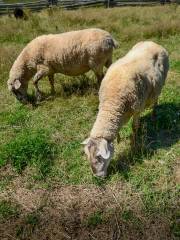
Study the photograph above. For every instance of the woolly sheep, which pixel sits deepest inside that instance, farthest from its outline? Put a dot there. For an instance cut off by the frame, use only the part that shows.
(130, 85)
(71, 53)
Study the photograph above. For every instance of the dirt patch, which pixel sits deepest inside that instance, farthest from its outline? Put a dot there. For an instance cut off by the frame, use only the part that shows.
(81, 212)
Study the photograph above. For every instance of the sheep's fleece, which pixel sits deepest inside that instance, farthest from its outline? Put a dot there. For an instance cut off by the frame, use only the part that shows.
(131, 84)
(71, 53)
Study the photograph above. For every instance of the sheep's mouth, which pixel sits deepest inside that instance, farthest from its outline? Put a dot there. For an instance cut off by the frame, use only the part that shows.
(98, 173)
(23, 99)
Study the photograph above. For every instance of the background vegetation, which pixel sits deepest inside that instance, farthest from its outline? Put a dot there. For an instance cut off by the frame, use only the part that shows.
(47, 189)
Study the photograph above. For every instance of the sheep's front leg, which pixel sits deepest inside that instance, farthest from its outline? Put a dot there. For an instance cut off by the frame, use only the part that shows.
(42, 72)
(36, 78)
(135, 127)
(51, 80)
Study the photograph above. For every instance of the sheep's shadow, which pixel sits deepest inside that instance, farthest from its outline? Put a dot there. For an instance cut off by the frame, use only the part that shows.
(79, 86)
(152, 135)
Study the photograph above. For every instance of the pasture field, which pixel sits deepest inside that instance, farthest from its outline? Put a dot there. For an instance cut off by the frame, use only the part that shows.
(47, 190)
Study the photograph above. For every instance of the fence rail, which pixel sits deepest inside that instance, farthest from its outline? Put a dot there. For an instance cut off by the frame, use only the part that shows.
(72, 4)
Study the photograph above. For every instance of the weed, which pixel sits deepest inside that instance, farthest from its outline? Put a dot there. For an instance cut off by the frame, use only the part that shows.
(7, 210)
(129, 216)
(175, 228)
(94, 219)
(28, 226)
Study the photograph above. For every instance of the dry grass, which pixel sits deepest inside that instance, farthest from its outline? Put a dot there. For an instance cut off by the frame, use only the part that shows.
(83, 212)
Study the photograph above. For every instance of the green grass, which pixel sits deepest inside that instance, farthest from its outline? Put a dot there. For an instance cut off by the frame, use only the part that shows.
(40, 147)
(7, 210)
(28, 226)
(94, 219)
(29, 148)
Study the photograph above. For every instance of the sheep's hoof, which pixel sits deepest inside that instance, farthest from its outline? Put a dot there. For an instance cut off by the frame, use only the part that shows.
(53, 92)
(24, 100)
(153, 117)
(39, 97)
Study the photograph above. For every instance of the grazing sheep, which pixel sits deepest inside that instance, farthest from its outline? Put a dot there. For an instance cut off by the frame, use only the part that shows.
(18, 13)
(72, 53)
(130, 85)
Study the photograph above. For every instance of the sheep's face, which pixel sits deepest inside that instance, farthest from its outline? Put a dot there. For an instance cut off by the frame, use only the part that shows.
(99, 152)
(18, 89)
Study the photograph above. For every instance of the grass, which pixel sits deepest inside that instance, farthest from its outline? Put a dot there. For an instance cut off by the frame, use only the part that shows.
(43, 170)
(94, 219)
(7, 210)
(29, 148)
(28, 226)
(18, 1)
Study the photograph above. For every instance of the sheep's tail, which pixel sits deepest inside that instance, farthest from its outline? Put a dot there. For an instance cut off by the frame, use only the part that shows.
(110, 43)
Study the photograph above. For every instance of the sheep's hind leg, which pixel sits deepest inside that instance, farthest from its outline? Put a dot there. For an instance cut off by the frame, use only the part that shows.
(154, 113)
(99, 74)
(42, 72)
(97, 69)
(108, 62)
(51, 80)
(135, 127)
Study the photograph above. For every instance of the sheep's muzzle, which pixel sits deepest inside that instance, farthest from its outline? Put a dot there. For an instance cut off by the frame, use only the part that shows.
(20, 96)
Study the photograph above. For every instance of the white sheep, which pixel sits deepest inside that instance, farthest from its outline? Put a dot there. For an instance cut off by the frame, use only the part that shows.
(71, 53)
(130, 85)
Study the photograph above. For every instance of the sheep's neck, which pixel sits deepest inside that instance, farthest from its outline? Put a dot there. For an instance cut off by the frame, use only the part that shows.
(108, 122)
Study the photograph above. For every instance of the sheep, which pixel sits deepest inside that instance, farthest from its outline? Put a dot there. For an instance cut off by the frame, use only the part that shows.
(130, 85)
(71, 53)
(18, 13)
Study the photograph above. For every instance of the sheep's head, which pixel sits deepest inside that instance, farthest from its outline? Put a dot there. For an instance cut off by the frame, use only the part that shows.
(99, 152)
(18, 89)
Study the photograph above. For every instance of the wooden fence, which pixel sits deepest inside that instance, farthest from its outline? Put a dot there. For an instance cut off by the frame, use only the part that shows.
(72, 4)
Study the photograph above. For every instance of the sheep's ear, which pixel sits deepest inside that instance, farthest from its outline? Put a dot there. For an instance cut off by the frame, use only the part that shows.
(9, 85)
(87, 145)
(85, 142)
(104, 151)
(17, 84)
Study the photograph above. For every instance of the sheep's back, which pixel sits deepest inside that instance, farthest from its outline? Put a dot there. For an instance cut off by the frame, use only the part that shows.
(136, 79)
(71, 50)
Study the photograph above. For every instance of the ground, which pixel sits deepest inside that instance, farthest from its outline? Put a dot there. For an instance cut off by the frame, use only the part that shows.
(47, 190)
